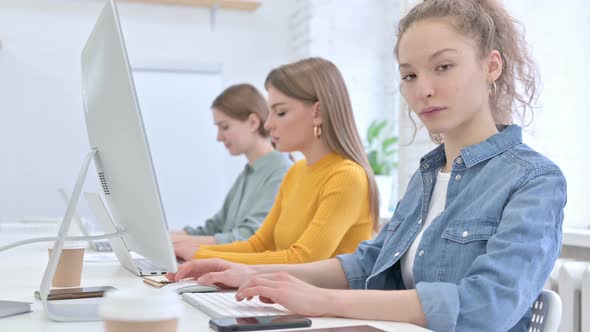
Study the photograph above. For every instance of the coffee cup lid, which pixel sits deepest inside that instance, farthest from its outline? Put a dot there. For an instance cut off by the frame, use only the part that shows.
(140, 304)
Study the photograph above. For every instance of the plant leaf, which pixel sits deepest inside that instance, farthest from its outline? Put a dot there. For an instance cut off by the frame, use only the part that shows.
(372, 156)
(388, 142)
(379, 126)
(371, 132)
(381, 147)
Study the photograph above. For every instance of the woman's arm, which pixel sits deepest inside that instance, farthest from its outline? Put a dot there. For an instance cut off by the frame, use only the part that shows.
(261, 241)
(501, 284)
(308, 300)
(339, 207)
(343, 272)
(186, 245)
(393, 305)
(211, 226)
(328, 273)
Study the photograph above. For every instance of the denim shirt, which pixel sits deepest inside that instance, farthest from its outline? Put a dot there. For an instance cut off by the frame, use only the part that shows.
(483, 261)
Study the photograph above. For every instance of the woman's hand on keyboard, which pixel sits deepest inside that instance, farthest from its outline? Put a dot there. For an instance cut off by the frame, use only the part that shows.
(288, 291)
(214, 271)
(185, 246)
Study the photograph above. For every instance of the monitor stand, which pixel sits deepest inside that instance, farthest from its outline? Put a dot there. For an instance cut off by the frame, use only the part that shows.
(108, 225)
(78, 310)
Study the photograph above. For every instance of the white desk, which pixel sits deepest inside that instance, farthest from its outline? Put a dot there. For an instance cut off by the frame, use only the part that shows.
(22, 268)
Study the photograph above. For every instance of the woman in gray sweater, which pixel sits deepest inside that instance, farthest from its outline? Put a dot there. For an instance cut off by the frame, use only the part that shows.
(239, 113)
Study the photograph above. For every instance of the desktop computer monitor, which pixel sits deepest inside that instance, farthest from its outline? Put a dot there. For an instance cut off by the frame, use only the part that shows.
(115, 129)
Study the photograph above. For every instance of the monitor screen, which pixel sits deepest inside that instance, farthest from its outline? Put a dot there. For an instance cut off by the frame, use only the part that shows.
(115, 129)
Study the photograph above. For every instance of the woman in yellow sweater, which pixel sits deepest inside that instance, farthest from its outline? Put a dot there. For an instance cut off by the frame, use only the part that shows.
(328, 203)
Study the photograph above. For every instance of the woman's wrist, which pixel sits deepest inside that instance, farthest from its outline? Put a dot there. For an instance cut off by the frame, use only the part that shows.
(329, 302)
(205, 240)
(257, 269)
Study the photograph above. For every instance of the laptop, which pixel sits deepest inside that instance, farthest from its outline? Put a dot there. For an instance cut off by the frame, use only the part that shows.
(139, 266)
(11, 308)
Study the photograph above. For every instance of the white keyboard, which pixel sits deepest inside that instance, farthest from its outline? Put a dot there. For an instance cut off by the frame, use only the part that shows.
(219, 305)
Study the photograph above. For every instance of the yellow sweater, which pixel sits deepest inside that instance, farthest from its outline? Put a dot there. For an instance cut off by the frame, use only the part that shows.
(321, 211)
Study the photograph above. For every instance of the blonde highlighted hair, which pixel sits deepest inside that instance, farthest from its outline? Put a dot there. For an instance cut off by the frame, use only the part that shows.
(315, 80)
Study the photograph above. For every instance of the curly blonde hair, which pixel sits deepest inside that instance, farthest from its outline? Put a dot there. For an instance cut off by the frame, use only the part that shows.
(488, 23)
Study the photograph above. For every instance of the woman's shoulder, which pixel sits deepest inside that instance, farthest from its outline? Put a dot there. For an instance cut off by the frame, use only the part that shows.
(350, 166)
(273, 164)
(294, 169)
(347, 171)
(298, 165)
(279, 160)
(334, 165)
(529, 160)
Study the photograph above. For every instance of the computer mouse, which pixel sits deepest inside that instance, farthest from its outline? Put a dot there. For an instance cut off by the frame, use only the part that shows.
(190, 286)
(197, 289)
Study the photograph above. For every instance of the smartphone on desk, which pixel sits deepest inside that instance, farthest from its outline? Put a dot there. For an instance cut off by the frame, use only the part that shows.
(157, 281)
(259, 323)
(75, 293)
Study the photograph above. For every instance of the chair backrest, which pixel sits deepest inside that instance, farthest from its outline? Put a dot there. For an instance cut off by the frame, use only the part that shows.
(546, 312)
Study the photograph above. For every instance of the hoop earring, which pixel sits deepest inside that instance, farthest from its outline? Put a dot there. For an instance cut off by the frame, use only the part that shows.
(437, 139)
(317, 131)
(493, 89)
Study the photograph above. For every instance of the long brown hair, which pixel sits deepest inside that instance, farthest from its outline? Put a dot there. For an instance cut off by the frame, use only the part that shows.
(315, 80)
(488, 23)
(239, 101)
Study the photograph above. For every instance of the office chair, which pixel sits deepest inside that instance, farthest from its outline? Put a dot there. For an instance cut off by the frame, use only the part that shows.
(546, 312)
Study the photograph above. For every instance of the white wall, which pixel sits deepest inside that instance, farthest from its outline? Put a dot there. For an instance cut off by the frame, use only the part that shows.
(559, 36)
(42, 136)
(362, 51)
(192, 176)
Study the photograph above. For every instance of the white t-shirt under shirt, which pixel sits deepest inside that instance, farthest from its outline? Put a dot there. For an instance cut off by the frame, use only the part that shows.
(437, 206)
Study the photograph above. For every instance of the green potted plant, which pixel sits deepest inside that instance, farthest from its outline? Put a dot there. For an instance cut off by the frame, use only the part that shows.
(381, 148)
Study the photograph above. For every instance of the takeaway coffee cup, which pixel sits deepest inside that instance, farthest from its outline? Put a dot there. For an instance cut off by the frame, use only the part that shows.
(141, 310)
(69, 268)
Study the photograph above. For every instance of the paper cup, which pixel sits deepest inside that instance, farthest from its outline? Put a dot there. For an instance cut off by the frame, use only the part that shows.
(69, 268)
(141, 310)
